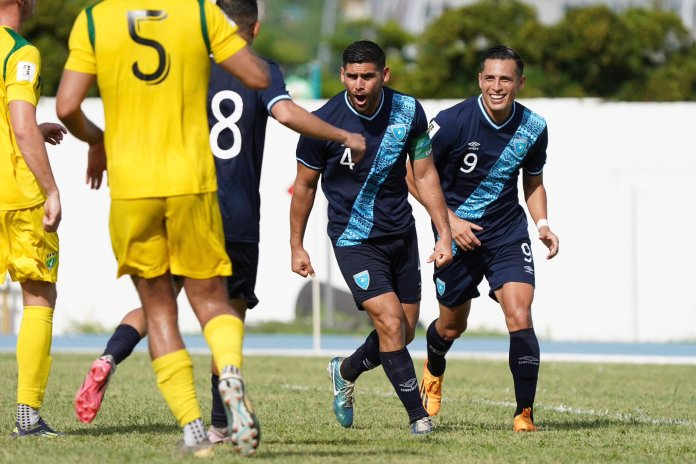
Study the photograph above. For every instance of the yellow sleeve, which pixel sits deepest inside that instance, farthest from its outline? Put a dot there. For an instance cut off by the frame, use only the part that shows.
(22, 79)
(81, 56)
(222, 33)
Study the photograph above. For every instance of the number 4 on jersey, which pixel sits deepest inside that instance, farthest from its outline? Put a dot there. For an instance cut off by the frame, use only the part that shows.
(347, 160)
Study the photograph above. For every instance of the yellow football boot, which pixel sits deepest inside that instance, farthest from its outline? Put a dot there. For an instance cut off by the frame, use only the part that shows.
(523, 422)
(431, 391)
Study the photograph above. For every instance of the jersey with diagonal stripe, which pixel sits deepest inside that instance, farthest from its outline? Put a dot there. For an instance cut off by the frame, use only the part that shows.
(237, 117)
(368, 199)
(151, 60)
(21, 80)
(479, 163)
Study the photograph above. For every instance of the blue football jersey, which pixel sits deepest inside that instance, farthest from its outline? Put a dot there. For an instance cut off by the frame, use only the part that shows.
(479, 163)
(368, 199)
(237, 118)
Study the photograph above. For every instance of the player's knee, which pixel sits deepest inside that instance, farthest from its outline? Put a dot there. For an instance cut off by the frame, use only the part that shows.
(519, 319)
(452, 333)
(390, 329)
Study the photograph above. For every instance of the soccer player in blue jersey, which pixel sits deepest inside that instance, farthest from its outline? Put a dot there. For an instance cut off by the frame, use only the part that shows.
(479, 147)
(371, 224)
(237, 118)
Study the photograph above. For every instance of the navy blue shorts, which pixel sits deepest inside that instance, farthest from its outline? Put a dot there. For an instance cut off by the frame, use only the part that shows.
(245, 263)
(382, 265)
(456, 283)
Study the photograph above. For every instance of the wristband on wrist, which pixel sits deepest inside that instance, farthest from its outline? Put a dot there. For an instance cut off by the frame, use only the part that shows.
(541, 223)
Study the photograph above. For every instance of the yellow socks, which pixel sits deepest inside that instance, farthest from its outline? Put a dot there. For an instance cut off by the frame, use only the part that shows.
(174, 373)
(224, 335)
(34, 355)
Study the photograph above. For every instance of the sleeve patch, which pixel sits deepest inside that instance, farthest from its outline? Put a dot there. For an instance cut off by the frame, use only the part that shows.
(433, 128)
(26, 71)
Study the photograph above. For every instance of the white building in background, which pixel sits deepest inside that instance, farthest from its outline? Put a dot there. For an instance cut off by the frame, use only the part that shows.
(414, 15)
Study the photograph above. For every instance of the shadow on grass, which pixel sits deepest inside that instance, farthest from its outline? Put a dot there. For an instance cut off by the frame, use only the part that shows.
(97, 430)
(544, 426)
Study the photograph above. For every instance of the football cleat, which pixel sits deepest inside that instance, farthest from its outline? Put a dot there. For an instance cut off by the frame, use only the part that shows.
(218, 435)
(343, 391)
(523, 422)
(40, 429)
(422, 426)
(243, 431)
(203, 449)
(431, 391)
(90, 396)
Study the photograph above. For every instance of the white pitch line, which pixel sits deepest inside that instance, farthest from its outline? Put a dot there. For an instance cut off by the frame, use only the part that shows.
(640, 417)
(627, 417)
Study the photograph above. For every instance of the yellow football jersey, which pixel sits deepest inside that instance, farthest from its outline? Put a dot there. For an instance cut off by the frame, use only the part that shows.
(21, 81)
(152, 62)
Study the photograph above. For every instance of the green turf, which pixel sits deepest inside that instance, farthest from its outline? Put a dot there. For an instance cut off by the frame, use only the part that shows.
(586, 413)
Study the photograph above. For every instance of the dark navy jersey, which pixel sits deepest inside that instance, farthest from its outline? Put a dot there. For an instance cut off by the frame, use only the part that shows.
(368, 199)
(479, 162)
(237, 119)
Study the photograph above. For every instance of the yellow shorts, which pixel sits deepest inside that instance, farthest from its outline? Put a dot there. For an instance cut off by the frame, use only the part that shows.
(27, 251)
(182, 235)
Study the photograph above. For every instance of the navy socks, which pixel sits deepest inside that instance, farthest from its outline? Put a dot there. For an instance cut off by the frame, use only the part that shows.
(524, 365)
(122, 342)
(398, 366)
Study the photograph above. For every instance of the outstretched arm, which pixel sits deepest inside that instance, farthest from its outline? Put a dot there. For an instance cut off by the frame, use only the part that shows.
(30, 141)
(535, 196)
(251, 70)
(304, 191)
(293, 116)
(427, 186)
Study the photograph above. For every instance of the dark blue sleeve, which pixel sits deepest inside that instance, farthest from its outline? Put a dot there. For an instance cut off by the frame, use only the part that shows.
(276, 91)
(442, 135)
(312, 153)
(536, 158)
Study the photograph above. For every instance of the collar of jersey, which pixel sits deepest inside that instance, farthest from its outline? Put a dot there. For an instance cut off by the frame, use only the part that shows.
(369, 118)
(490, 121)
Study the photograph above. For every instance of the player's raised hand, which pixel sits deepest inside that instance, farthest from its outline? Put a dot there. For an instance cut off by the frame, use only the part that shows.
(52, 212)
(96, 165)
(550, 240)
(442, 253)
(301, 264)
(52, 132)
(463, 233)
(356, 143)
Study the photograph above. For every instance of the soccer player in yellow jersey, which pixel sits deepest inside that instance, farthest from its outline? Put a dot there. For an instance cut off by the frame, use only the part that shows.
(150, 59)
(29, 213)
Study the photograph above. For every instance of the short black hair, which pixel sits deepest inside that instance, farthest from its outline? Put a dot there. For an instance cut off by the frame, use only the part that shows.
(501, 52)
(243, 12)
(364, 51)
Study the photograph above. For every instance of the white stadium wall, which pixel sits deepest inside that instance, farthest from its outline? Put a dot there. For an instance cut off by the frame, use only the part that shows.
(618, 178)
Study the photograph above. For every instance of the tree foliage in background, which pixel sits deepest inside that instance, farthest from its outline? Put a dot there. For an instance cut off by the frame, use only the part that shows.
(633, 54)
(49, 31)
(449, 49)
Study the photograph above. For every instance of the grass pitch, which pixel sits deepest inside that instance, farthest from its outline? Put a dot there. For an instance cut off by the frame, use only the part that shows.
(586, 413)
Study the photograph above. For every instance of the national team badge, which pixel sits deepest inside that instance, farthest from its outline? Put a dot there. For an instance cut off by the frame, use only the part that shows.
(520, 143)
(362, 279)
(51, 260)
(398, 131)
(440, 286)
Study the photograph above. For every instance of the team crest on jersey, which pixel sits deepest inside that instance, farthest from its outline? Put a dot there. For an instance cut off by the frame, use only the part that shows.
(362, 279)
(398, 131)
(51, 260)
(440, 286)
(520, 143)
